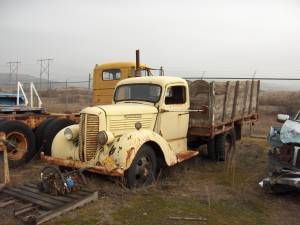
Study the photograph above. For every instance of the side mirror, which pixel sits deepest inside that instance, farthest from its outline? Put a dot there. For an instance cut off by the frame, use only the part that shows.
(282, 117)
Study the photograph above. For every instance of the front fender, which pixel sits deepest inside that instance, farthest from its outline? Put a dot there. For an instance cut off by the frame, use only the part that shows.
(125, 148)
(62, 148)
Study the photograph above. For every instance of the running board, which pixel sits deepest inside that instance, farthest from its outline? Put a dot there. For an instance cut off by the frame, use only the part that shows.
(182, 156)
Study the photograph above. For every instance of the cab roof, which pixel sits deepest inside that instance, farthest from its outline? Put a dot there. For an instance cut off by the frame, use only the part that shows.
(160, 80)
(115, 65)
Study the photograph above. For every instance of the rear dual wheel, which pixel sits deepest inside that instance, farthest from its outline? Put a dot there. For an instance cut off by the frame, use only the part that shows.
(221, 147)
(50, 130)
(20, 142)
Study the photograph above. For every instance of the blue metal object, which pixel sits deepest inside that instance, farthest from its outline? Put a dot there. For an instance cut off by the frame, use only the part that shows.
(70, 182)
(8, 104)
(9, 99)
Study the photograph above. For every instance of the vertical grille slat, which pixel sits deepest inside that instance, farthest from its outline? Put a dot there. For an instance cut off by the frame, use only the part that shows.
(89, 128)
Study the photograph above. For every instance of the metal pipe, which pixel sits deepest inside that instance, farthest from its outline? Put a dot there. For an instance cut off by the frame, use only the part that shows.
(137, 59)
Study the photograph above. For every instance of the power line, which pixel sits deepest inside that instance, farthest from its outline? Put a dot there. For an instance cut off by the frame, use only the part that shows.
(45, 69)
(241, 78)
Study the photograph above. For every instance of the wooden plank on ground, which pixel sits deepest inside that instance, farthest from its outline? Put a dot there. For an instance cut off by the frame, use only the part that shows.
(35, 190)
(38, 202)
(37, 196)
(7, 203)
(54, 213)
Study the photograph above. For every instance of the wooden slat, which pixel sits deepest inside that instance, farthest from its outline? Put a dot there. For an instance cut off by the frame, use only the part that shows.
(257, 95)
(251, 97)
(54, 213)
(245, 97)
(58, 198)
(211, 102)
(225, 101)
(38, 202)
(37, 196)
(72, 195)
(7, 203)
(236, 94)
(24, 210)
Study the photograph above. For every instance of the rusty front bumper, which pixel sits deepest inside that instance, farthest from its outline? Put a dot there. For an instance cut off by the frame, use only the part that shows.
(78, 164)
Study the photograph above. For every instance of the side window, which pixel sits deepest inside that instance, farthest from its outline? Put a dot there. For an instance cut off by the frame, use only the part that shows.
(175, 95)
(112, 74)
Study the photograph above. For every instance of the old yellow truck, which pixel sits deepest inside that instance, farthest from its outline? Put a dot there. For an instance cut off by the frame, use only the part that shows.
(152, 122)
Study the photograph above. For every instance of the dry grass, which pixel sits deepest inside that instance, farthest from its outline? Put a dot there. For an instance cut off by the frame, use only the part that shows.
(280, 102)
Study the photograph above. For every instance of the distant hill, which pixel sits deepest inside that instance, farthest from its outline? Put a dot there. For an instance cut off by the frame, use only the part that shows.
(280, 85)
(24, 78)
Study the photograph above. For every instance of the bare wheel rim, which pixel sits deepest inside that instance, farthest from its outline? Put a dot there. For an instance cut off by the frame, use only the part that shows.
(17, 145)
(143, 171)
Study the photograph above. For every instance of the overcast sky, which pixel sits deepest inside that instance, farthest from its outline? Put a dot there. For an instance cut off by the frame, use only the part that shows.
(186, 37)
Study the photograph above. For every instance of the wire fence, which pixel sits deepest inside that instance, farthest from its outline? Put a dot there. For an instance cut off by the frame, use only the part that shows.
(72, 96)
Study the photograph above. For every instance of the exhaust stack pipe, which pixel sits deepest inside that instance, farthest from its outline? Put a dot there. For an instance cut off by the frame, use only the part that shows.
(137, 63)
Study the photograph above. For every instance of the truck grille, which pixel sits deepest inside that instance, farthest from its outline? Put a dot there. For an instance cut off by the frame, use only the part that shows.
(89, 128)
(129, 123)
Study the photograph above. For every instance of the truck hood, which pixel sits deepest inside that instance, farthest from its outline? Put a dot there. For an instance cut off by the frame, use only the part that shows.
(128, 109)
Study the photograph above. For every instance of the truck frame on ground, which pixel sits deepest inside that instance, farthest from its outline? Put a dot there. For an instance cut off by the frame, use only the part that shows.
(151, 123)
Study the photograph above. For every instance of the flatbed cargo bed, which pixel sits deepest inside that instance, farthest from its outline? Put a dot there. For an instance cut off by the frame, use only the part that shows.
(224, 105)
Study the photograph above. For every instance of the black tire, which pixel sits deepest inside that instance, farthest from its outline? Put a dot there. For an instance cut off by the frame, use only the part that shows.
(224, 144)
(51, 130)
(143, 169)
(211, 149)
(40, 132)
(278, 188)
(20, 135)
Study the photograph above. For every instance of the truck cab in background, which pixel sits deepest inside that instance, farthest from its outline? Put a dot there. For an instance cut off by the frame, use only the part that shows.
(106, 76)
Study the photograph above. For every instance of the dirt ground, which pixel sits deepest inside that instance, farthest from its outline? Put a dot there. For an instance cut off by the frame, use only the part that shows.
(223, 194)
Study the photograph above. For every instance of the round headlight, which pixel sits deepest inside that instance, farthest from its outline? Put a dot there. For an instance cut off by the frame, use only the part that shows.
(68, 134)
(102, 137)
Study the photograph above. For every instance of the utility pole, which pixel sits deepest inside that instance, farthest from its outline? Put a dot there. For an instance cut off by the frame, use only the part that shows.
(44, 69)
(13, 70)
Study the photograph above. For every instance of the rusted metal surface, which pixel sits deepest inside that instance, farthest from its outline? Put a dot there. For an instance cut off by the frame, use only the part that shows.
(3, 150)
(211, 131)
(79, 164)
(129, 155)
(186, 155)
(30, 206)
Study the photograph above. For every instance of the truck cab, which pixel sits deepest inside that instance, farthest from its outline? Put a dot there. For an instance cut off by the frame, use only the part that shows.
(143, 129)
(106, 76)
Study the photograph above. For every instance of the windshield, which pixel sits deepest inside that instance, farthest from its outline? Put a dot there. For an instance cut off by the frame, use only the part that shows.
(138, 92)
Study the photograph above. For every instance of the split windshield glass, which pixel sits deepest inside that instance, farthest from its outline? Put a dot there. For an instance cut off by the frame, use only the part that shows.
(138, 92)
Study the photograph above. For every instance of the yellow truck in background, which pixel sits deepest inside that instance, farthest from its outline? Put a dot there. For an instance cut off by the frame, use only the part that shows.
(156, 121)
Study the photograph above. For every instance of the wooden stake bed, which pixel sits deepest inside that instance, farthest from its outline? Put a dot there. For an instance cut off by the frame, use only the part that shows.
(34, 207)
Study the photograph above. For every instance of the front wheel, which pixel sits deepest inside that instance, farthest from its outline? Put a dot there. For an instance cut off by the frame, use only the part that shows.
(143, 169)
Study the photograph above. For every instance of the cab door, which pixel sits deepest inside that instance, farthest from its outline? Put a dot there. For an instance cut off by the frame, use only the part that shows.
(174, 115)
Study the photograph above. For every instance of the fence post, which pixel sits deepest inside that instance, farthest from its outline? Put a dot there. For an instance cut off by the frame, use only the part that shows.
(3, 149)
